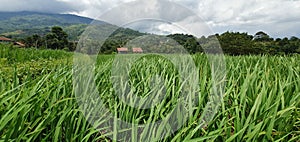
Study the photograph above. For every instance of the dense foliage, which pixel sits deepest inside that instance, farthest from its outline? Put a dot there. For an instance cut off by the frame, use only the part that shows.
(22, 24)
(12, 54)
(37, 100)
(232, 43)
(235, 43)
(34, 29)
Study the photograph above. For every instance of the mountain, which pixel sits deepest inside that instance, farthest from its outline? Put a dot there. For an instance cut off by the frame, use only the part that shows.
(51, 18)
(22, 24)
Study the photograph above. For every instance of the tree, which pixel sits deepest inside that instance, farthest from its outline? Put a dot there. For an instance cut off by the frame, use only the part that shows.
(238, 43)
(37, 40)
(52, 41)
(29, 41)
(191, 45)
(262, 36)
(189, 42)
(58, 31)
(57, 39)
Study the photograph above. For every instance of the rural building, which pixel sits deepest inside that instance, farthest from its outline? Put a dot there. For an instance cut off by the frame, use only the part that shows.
(19, 44)
(137, 50)
(5, 40)
(122, 50)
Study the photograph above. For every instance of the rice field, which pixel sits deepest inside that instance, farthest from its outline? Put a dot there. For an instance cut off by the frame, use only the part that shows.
(38, 100)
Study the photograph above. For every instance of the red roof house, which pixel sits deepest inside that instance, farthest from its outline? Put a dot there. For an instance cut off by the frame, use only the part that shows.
(7, 40)
(19, 44)
(4, 39)
(122, 50)
(137, 50)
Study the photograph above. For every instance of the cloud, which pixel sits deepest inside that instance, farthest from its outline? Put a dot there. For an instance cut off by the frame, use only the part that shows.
(51, 6)
(155, 27)
(154, 16)
(95, 8)
(276, 17)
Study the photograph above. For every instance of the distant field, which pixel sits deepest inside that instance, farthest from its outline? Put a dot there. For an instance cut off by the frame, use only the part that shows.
(37, 100)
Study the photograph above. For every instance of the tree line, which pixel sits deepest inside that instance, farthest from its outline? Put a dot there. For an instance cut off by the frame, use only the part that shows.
(232, 43)
(236, 43)
(56, 39)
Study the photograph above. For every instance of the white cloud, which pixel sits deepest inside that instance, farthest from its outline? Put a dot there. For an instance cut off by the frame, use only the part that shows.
(276, 17)
(170, 29)
(272, 16)
(52, 6)
(233, 15)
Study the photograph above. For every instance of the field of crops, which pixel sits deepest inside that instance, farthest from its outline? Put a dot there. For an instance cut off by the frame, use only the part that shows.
(38, 102)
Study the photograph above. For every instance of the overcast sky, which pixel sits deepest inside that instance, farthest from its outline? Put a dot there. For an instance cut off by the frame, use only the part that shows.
(279, 18)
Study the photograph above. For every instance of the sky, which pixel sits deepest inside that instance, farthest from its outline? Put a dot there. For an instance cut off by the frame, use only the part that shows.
(278, 18)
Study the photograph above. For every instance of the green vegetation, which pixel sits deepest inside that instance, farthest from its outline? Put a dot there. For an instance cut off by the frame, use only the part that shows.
(235, 43)
(22, 24)
(33, 28)
(37, 100)
(26, 64)
(13, 54)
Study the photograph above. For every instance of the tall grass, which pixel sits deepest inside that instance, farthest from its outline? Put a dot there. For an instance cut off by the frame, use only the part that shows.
(12, 54)
(261, 102)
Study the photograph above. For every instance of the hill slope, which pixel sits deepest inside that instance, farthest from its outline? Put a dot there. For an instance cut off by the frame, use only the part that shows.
(21, 24)
(51, 18)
